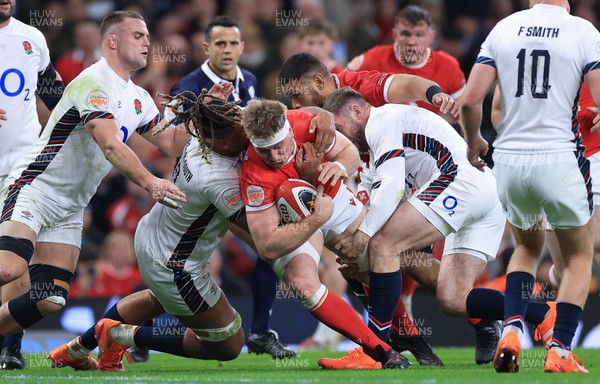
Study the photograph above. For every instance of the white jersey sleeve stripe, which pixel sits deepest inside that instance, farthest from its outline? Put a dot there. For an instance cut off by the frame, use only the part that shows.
(486, 60)
(591, 66)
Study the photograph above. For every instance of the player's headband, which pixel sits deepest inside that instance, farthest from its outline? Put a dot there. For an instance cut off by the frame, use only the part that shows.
(277, 138)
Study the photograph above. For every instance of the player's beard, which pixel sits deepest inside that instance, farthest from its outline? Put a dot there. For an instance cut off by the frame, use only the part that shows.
(5, 16)
(317, 98)
(358, 136)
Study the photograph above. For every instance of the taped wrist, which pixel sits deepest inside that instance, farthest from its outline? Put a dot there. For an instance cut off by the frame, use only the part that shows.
(431, 91)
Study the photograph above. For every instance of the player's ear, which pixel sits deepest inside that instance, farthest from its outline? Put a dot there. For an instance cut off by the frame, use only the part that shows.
(319, 81)
(112, 41)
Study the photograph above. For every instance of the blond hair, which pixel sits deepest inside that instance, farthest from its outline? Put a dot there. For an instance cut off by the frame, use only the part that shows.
(263, 118)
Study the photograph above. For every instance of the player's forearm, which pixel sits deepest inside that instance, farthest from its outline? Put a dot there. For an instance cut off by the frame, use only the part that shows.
(408, 88)
(470, 120)
(348, 157)
(286, 238)
(126, 161)
(385, 199)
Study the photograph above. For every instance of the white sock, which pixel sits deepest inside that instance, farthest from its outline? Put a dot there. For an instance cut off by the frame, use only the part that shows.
(76, 350)
(509, 327)
(562, 352)
(553, 278)
(123, 334)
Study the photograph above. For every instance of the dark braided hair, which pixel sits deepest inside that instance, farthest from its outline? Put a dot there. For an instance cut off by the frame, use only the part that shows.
(203, 120)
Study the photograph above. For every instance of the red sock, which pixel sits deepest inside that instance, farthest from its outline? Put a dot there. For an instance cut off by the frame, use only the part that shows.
(339, 316)
(409, 285)
(472, 321)
(402, 324)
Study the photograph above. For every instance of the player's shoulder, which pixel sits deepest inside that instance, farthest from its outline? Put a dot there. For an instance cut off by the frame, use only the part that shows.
(191, 82)
(298, 116)
(248, 76)
(89, 79)
(379, 50)
(32, 33)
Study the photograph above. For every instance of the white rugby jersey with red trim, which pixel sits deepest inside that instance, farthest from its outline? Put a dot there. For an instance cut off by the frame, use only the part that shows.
(184, 239)
(23, 54)
(66, 164)
(541, 55)
(408, 147)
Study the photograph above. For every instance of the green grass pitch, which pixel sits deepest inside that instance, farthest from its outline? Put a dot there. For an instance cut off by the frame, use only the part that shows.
(460, 368)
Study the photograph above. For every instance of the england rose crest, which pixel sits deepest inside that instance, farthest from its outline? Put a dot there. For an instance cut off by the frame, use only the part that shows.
(27, 47)
(138, 106)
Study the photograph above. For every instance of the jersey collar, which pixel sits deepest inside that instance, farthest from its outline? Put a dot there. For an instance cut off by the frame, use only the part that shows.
(216, 79)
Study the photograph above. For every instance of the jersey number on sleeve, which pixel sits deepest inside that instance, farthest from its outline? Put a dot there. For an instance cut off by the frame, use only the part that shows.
(536, 56)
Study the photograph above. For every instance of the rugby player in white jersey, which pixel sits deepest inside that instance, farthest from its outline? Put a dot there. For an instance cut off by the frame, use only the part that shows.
(174, 248)
(539, 57)
(85, 136)
(450, 199)
(25, 72)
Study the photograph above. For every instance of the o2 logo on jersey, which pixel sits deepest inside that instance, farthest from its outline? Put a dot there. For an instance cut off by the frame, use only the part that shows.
(125, 133)
(450, 203)
(12, 83)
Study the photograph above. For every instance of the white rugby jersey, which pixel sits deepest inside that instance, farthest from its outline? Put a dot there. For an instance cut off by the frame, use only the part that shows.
(184, 239)
(23, 54)
(408, 147)
(541, 55)
(66, 165)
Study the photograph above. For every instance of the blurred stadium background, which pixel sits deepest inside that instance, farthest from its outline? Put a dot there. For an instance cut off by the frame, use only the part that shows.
(107, 268)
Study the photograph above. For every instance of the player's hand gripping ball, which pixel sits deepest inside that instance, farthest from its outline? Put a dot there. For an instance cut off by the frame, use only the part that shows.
(295, 200)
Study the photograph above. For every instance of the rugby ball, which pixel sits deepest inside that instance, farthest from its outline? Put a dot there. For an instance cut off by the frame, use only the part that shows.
(295, 200)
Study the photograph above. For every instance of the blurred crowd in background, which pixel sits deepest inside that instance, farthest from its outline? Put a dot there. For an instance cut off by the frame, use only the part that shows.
(270, 30)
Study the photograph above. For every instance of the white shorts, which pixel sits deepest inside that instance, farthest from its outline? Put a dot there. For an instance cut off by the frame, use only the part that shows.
(347, 208)
(595, 173)
(557, 185)
(280, 264)
(467, 212)
(181, 292)
(52, 223)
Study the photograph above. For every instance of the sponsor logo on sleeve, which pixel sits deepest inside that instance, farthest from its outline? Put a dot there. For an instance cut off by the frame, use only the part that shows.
(233, 199)
(256, 195)
(97, 100)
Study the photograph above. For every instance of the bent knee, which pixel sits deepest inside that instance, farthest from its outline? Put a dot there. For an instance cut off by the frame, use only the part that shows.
(380, 247)
(451, 303)
(48, 308)
(11, 271)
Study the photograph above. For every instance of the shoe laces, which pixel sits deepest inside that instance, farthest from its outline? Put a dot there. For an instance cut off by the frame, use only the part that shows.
(356, 352)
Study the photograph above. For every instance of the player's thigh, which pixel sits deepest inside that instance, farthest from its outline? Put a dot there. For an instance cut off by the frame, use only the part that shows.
(312, 247)
(513, 172)
(59, 243)
(459, 271)
(139, 306)
(569, 200)
(481, 238)
(412, 226)
(301, 274)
